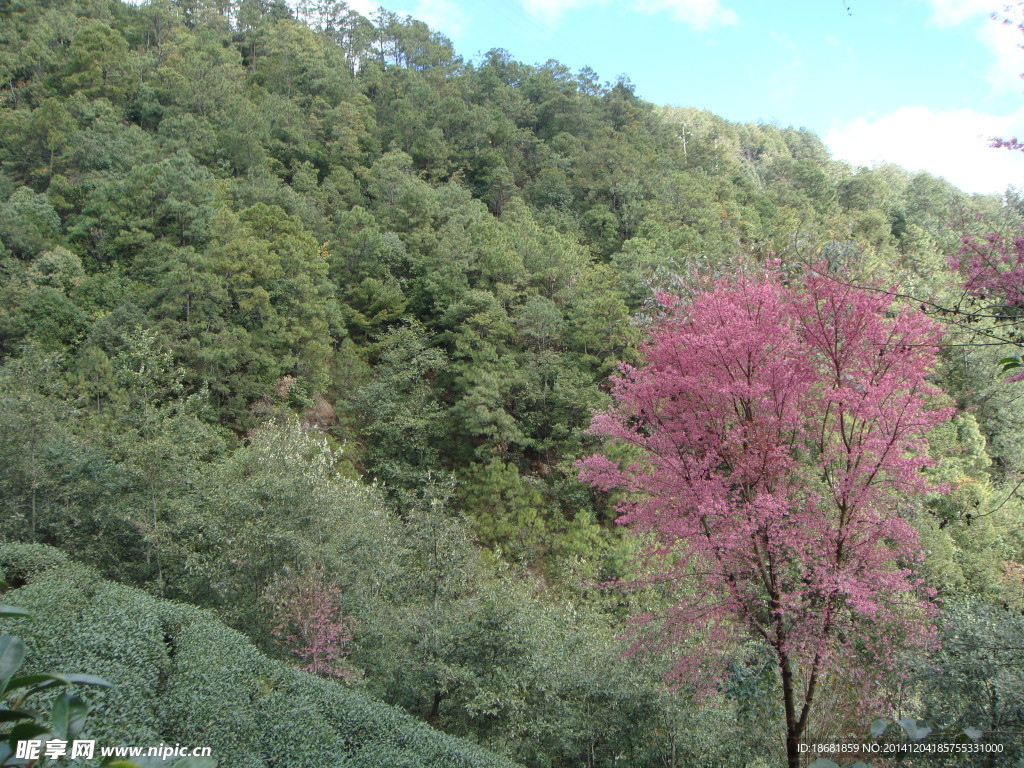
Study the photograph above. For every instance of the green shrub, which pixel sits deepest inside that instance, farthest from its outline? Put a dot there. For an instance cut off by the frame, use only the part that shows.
(183, 677)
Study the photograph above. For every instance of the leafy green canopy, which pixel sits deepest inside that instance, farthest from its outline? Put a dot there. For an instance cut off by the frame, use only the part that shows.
(435, 259)
(182, 676)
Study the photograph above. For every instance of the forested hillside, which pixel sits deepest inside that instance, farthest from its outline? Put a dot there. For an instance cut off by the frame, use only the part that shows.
(301, 308)
(183, 677)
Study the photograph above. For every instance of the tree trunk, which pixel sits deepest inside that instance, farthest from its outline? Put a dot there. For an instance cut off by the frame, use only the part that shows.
(793, 726)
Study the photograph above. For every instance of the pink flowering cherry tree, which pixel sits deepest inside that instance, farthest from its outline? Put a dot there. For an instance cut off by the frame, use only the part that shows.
(782, 430)
(992, 268)
(993, 265)
(310, 621)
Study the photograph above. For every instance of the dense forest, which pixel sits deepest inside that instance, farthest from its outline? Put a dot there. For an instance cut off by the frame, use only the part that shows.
(304, 319)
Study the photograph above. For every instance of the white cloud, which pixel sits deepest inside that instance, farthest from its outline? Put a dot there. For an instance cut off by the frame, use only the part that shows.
(951, 12)
(444, 16)
(698, 14)
(549, 11)
(952, 144)
(1003, 42)
(365, 7)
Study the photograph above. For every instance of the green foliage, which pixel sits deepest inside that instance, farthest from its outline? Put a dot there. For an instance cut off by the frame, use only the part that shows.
(181, 676)
(256, 307)
(276, 502)
(975, 679)
(399, 410)
(18, 694)
(261, 189)
(967, 533)
(509, 509)
(28, 223)
(253, 253)
(476, 653)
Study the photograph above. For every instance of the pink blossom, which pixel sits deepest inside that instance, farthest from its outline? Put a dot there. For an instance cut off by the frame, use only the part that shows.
(782, 431)
(992, 268)
(310, 621)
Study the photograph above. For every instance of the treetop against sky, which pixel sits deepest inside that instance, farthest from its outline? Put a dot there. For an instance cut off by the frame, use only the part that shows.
(921, 83)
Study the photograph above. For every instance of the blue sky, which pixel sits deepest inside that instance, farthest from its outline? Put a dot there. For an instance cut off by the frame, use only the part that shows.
(921, 83)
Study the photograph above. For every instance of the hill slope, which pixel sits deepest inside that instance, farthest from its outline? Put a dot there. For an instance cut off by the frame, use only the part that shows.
(184, 677)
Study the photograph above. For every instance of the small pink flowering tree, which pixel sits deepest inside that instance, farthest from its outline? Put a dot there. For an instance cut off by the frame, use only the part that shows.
(993, 271)
(993, 265)
(780, 429)
(309, 619)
